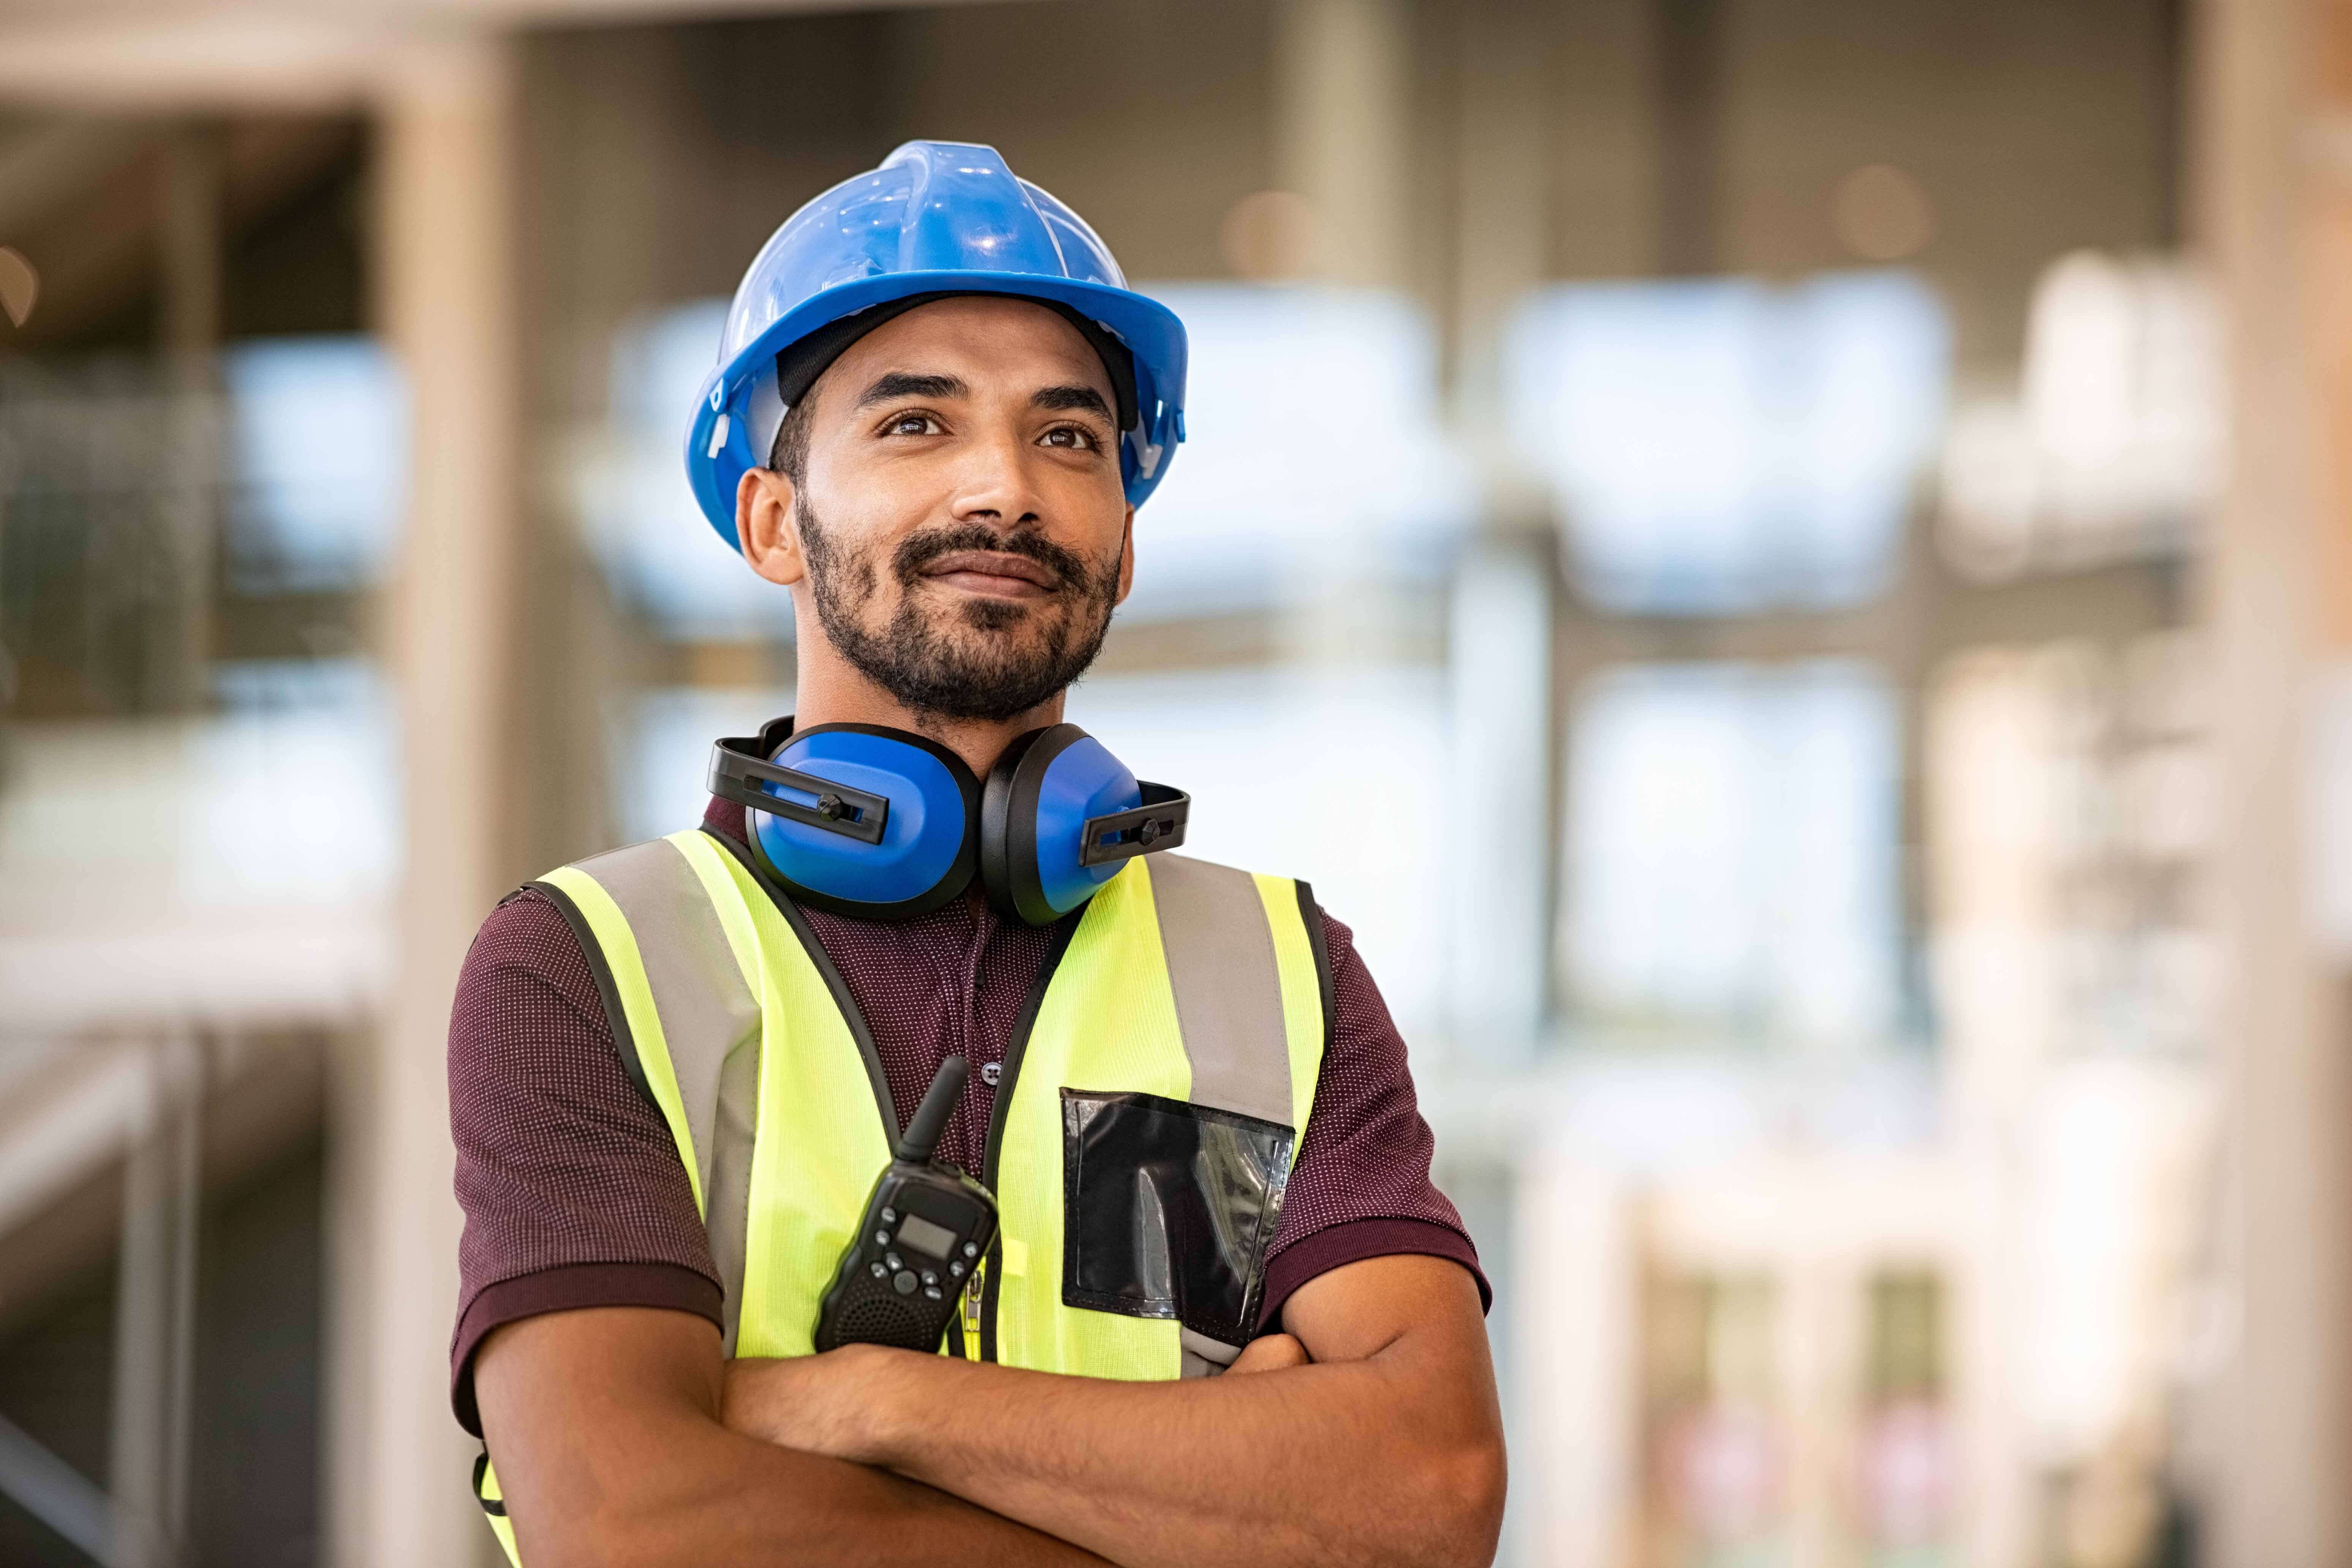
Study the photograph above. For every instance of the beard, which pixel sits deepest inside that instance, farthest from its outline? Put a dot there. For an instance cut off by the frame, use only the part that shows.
(973, 662)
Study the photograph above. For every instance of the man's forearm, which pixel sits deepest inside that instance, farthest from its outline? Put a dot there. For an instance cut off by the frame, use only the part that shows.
(1392, 1458)
(604, 1424)
(744, 1504)
(1297, 1467)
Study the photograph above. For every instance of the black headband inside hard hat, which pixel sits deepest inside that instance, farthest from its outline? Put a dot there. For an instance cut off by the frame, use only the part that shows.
(805, 360)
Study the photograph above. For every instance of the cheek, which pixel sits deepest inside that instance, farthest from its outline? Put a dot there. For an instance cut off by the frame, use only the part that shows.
(860, 528)
(1096, 507)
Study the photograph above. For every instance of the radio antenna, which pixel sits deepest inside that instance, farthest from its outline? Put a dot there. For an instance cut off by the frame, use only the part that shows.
(930, 1119)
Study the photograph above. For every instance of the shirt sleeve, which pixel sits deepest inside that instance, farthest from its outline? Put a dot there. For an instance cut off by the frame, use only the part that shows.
(573, 1191)
(1361, 1187)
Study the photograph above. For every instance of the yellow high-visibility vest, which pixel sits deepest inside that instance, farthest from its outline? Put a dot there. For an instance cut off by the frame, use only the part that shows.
(1175, 1038)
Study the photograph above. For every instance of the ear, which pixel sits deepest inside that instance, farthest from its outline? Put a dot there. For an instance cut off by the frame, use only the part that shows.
(1125, 558)
(763, 521)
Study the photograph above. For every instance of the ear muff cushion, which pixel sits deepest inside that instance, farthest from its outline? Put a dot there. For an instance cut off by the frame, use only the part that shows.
(930, 849)
(1033, 820)
(997, 839)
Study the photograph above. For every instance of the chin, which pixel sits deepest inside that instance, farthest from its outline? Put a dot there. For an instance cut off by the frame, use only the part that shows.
(997, 616)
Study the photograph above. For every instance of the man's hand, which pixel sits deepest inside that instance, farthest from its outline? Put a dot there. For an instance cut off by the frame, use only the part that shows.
(1367, 1435)
(817, 1403)
(1269, 1353)
(604, 1424)
(825, 1404)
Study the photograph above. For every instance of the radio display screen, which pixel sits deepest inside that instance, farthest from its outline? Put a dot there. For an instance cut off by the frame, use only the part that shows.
(921, 1235)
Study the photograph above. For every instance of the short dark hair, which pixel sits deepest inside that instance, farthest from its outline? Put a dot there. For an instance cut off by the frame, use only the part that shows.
(788, 454)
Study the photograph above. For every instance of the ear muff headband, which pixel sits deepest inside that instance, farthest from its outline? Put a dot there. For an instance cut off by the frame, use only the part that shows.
(855, 818)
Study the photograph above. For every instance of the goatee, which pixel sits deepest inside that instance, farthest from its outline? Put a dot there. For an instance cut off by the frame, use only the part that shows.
(991, 673)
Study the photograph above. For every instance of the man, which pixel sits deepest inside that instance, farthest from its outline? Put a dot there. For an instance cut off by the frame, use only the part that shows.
(966, 406)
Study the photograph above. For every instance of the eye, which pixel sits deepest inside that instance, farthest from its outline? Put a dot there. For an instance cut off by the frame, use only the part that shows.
(1070, 437)
(911, 424)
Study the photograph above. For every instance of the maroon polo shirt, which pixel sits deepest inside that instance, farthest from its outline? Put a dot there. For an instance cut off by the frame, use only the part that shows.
(574, 1195)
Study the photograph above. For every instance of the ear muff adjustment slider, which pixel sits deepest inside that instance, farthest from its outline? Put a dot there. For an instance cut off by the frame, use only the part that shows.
(852, 812)
(1158, 824)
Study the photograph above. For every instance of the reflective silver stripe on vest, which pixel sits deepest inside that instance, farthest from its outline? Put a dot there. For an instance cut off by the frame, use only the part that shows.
(710, 1021)
(1228, 990)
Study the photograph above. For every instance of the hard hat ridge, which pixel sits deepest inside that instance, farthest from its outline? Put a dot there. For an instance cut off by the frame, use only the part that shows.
(937, 217)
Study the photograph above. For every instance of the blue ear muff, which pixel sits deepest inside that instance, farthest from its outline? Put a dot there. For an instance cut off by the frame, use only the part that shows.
(855, 818)
(1058, 817)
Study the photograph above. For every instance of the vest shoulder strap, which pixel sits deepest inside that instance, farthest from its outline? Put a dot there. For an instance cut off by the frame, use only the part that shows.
(679, 990)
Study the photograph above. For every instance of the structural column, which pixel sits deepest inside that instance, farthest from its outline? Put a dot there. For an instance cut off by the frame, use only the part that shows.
(2275, 219)
(1502, 630)
(445, 259)
(155, 1306)
(1341, 119)
(189, 300)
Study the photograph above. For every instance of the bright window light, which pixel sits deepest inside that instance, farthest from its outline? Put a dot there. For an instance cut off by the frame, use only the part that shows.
(630, 491)
(1313, 454)
(318, 458)
(1723, 445)
(663, 746)
(2115, 446)
(1731, 844)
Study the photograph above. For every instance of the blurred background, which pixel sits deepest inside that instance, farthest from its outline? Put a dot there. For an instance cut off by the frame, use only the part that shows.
(1785, 565)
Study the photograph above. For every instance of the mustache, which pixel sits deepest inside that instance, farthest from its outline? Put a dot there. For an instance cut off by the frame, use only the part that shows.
(916, 550)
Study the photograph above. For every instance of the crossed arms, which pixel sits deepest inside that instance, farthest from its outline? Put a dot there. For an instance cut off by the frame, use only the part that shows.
(1366, 1434)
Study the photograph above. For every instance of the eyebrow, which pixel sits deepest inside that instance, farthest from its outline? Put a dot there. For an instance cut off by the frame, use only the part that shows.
(901, 383)
(1059, 398)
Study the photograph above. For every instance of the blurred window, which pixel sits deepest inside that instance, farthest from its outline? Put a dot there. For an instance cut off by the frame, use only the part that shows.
(318, 457)
(288, 797)
(631, 496)
(1721, 446)
(1313, 452)
(664, 759)
(2113, 448)
(1732, 844)
(2067, 805)
(293, 791)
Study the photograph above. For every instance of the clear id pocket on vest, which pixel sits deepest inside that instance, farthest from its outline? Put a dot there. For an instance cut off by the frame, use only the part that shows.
(1167, 1209)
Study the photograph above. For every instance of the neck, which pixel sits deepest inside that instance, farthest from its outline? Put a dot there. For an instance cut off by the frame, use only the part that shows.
(831, 691)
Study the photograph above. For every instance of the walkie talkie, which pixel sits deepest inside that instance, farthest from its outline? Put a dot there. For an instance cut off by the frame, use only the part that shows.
(926, 1228)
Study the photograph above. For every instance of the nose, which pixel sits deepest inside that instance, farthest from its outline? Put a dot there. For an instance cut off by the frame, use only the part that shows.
(994, 486)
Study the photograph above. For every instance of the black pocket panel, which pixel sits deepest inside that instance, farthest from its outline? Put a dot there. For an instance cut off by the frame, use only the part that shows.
(1167, 1209)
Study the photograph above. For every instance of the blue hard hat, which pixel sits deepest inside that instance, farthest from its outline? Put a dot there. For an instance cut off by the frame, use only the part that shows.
(936, 217)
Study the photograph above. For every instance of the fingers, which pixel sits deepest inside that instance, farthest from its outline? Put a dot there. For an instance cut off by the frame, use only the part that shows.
(1272, 1352)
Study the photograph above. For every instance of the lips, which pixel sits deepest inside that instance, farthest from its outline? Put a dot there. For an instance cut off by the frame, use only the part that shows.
(994, 564)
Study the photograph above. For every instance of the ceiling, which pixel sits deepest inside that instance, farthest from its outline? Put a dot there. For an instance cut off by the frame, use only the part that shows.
(224, 55)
